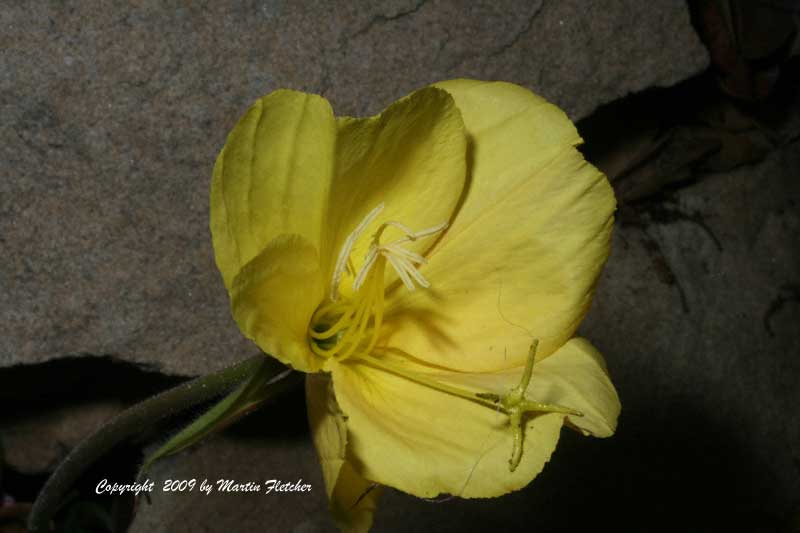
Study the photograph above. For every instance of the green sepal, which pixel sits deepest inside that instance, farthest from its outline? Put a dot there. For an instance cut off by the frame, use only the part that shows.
(268, 379)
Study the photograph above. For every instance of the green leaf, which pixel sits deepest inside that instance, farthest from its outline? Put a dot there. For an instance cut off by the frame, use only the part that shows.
(267, 380)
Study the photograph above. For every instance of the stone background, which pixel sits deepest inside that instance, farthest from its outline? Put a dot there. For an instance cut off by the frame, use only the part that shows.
(112, 115)
(113, 118)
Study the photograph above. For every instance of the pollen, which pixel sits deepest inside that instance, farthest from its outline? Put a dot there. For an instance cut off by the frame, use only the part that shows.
(401, 259)
(349, 325)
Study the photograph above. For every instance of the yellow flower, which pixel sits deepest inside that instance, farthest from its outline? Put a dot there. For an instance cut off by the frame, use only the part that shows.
(428, 268)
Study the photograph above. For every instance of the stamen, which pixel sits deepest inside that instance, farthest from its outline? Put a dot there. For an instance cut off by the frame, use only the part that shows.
(402, 260)
(344, 254)
(413, 256)
(394, 261)
(340, 324)
(352, 326)
(378, 320)
(416, 274)
(422, 233)
(372, 255)
(399, 225)
(362, 321)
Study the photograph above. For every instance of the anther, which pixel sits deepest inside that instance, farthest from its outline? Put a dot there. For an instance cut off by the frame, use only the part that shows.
(344, 255)
(402, 260)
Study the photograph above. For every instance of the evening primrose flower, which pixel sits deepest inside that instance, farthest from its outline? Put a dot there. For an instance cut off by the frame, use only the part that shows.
(427, 268)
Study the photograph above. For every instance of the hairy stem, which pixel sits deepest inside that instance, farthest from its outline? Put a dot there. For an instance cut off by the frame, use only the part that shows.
(128, 423)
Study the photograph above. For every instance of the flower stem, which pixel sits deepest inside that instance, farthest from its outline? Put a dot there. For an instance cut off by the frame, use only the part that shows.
(130, 422)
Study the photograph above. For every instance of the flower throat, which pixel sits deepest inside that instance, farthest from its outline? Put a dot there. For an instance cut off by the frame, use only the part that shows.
(345, 326)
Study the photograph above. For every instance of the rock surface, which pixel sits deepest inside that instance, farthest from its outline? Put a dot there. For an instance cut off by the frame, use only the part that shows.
(696, 316)
(34, 445)
(697, 313)
(112, 118)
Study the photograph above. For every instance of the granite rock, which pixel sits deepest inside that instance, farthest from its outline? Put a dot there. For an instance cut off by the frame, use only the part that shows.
(696, 313)
(32, 445)
(113, 115)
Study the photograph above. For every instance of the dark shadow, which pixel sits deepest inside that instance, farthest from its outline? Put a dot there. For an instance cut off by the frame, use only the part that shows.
(281, 419)
(661, 116)
(28, 390)
(79, 378)
(669, 468)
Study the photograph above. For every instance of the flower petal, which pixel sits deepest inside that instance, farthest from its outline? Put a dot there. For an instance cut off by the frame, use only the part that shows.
(411, 157)
(576, 376)
(522, 256)
(272, 177)
(426, 442)
(352, 498)
(274, 296)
